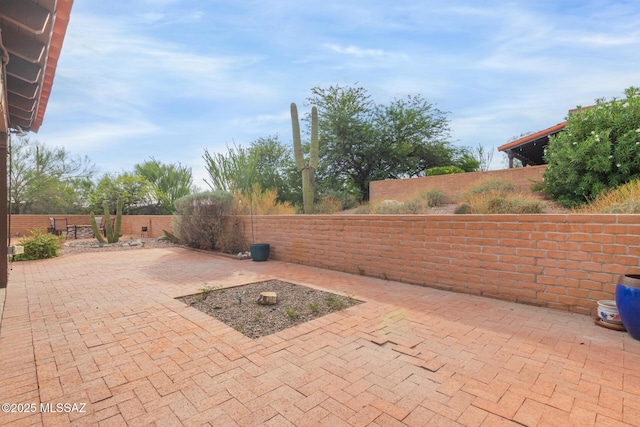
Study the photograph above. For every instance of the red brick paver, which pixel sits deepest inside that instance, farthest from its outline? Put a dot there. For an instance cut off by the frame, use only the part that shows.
(104, 332)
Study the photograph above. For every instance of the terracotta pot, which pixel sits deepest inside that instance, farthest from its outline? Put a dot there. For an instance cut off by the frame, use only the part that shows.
(628, 303)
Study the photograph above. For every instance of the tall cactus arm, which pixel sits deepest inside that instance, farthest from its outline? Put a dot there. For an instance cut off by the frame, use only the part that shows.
(96, 230)
(107, 223)
(313, 158)
(297, 141)
(116, 232)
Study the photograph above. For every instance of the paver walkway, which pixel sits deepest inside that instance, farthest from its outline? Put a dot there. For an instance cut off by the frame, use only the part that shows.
(104, 330)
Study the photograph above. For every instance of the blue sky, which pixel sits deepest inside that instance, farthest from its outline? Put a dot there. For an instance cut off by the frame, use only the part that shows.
(169, 78)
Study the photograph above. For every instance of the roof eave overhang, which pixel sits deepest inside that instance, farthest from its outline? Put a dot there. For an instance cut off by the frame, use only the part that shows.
(530, 149)
(32, 34)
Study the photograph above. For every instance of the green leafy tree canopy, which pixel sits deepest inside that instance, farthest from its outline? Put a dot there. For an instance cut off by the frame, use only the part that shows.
(135, 192)
(598, 149)
(45, 180)
(170, 182)
(361, 141)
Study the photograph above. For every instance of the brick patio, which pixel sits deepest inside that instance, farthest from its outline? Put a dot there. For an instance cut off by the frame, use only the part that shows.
(104, 329)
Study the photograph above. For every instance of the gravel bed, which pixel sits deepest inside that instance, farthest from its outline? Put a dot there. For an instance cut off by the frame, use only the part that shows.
(92, 245)
(237, 306)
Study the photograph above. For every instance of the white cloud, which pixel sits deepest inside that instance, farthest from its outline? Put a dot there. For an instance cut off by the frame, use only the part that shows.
(262, 119)
(150, 17)
(97, 136)
(354, 50)
(609, 40)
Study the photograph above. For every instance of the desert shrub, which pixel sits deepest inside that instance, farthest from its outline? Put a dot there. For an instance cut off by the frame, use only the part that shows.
(626, 207)
(347, 199)
(412, 207)
(386, 207)
(443, 170)
(623, 199)
(514, 205)
(491, 186)
(170, 237)
(435, 198)
(231, 239)
(261, 202)
(463, 208)
(363, 209)
(536, 186)
(39, 245)
(419, 204)
(498, 197)
(202, 219)
(598, 149)
(497, 204)
(328, 205)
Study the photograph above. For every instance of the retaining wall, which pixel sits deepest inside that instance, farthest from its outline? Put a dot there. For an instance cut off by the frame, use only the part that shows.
(451, 185)
(566, 262)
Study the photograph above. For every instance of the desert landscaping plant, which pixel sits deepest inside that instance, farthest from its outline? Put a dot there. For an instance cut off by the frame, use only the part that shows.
(328, 205)
(204, 220)
(291, 312)
(598, 149)
(498, 197)
(624, 199)
(261, 202)
(335, 302)
(39, 245)
(112, 233)
(419, 204)
(443, 170)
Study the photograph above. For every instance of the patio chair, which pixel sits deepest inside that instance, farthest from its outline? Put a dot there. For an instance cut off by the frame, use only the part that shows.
(57, 226)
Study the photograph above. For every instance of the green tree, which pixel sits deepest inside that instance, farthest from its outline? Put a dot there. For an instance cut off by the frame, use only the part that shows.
(135, 191)
(232, 171)
(361, 141)
(267, 162)
(170, 182)
(598, 149)
(276, 169)
(47, 180)
(465, 159)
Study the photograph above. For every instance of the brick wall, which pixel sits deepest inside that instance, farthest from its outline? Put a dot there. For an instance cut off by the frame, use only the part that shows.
(131, 224)
(450, 185)
(565, 262)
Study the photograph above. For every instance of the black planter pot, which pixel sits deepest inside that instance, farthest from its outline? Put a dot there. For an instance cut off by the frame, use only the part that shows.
(260, 251)
(628, 303)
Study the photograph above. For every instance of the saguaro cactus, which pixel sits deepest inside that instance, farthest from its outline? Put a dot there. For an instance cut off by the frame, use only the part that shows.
(113, 234)
(308, 170)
